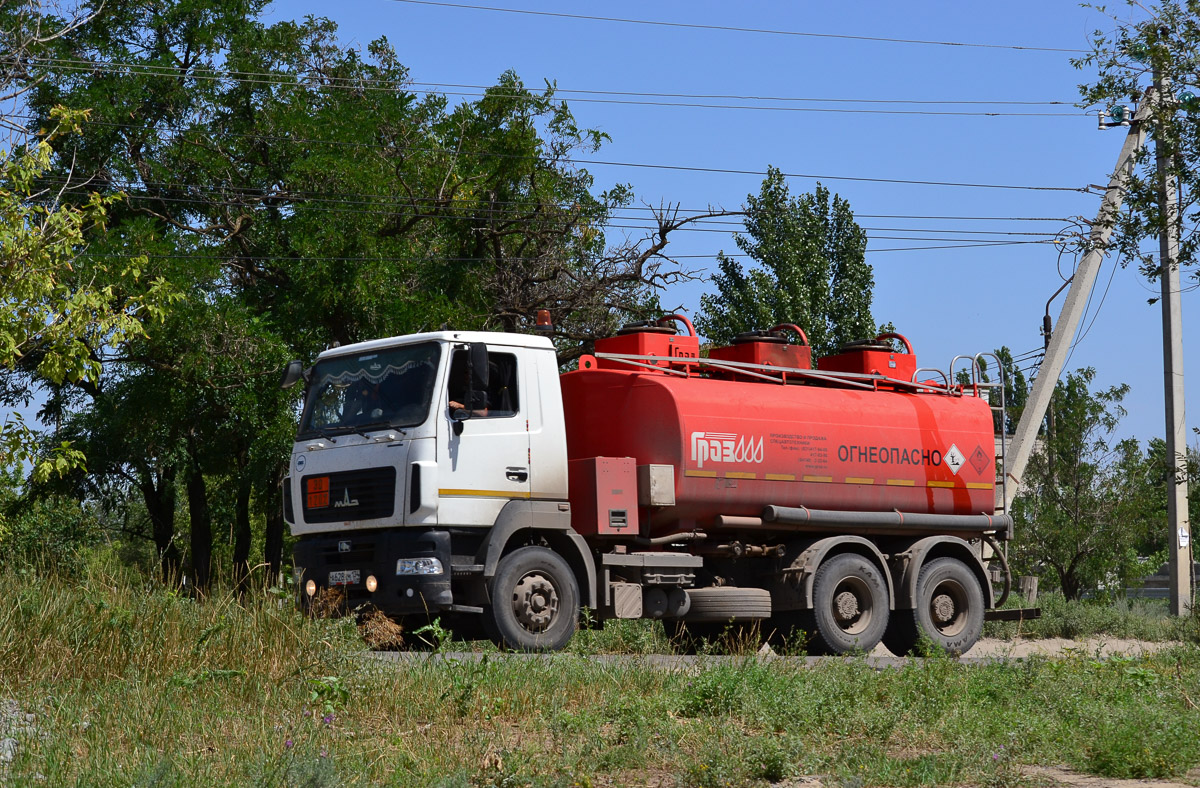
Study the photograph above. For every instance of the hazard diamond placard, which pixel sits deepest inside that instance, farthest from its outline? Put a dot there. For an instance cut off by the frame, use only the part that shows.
(954, 459)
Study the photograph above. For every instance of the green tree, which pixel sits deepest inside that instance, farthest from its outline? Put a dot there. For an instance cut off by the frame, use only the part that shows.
(55, 315)
(1125, 59)
(809, 269)
(1087, 502)
(295, 193)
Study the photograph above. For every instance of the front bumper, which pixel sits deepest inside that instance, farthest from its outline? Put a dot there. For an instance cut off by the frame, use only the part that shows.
(375, 553)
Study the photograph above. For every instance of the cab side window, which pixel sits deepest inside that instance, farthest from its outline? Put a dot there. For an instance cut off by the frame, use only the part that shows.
(502, 397)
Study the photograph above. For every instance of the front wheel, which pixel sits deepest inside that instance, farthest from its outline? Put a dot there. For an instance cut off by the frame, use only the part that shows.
(535, 601)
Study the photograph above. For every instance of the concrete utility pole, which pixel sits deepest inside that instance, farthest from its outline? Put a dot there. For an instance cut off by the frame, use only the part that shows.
(1179, 548)
(1059, 345)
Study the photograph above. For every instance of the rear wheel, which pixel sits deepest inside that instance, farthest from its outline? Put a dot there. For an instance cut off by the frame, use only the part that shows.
(535, 601)
(949, 610)
(850, 605)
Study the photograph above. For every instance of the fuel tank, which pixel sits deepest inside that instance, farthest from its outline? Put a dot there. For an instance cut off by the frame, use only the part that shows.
(739, 445)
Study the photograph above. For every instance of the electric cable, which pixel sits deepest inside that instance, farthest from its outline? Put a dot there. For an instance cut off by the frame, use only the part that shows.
(728, 28)
(439, 258)
(279, 79)
(495, 92)
(686, 168)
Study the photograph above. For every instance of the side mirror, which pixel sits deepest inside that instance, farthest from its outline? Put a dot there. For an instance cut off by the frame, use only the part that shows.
(457, 417)
(292, 374)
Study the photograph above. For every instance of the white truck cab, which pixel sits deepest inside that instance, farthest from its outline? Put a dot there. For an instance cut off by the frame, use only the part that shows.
(411, 451)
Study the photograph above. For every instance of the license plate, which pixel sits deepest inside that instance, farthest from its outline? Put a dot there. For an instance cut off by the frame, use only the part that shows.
(344, 577)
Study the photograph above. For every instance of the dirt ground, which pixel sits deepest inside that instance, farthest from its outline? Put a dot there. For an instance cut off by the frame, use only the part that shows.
(1107, 646)
(1043, 776)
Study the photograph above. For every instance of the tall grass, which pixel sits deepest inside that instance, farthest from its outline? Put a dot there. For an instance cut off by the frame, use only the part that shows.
(129, 684)
(1138, 619)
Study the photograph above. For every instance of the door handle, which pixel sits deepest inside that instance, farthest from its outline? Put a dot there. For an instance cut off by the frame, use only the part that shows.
(516, 474)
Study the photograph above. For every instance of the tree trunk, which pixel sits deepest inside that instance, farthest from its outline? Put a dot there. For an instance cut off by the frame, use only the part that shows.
(273, 549)
(201, 519)
(241, 535)
(1071, 587)
(158, 493)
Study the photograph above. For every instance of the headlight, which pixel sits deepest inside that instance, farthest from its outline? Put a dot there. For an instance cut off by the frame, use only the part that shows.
(310, 588)
(372, 583)
(419, 566)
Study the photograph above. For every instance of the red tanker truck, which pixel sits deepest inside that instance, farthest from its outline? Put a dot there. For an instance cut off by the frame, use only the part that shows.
(459, 475)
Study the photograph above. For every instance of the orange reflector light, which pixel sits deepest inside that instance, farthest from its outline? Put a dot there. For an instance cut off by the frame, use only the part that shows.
(317, 489)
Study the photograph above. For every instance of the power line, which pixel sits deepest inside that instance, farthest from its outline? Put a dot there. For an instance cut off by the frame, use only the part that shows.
(438, 258)
(690, 168)
(354, 83)
(815, 177)
(954, 246)
(236, 75)
(742, 97)
(372, 200)
(727, 28)
(612, 222)
(1092, 322)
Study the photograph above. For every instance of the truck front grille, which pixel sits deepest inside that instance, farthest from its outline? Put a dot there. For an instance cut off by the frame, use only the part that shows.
(351, 495)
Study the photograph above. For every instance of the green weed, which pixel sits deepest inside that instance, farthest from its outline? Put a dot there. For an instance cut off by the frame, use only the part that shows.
(1164, 745)
(128, 684)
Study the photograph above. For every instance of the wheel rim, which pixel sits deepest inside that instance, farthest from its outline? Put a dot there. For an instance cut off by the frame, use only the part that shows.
(852, 605)
(535, 602)
(948, 608)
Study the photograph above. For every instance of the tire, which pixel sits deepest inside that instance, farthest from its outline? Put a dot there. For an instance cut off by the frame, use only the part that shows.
(535, 601)
(850, 605)
(722, 616)
(949, 610)
(722, 604)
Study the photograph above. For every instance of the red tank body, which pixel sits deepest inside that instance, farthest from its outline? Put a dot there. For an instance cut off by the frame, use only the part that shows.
(739, 445)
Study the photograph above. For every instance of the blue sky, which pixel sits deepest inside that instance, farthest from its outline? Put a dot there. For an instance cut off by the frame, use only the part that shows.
(947, 301)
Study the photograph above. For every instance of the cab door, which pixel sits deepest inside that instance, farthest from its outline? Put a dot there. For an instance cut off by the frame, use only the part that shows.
(485, 464)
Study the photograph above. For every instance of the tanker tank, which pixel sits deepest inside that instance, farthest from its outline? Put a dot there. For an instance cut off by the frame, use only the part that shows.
(738, 443)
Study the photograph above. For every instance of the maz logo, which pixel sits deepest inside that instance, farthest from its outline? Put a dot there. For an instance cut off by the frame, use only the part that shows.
(346, 501)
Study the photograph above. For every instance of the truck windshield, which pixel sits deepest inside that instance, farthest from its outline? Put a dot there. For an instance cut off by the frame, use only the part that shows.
(383, 388)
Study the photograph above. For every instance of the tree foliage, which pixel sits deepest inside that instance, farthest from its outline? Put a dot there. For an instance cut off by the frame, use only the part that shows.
(1088, 503)
(1125, 60)
(809, 269)
(54, 313)
(294, 192)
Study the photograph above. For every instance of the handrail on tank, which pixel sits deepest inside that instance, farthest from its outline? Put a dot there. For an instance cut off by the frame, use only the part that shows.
(1000, 375)
(854, 379)
(975, 369)
(893, 335)
(681, 319)
(727, 366)
(653, 363)
(919, 370)
(799, 331)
